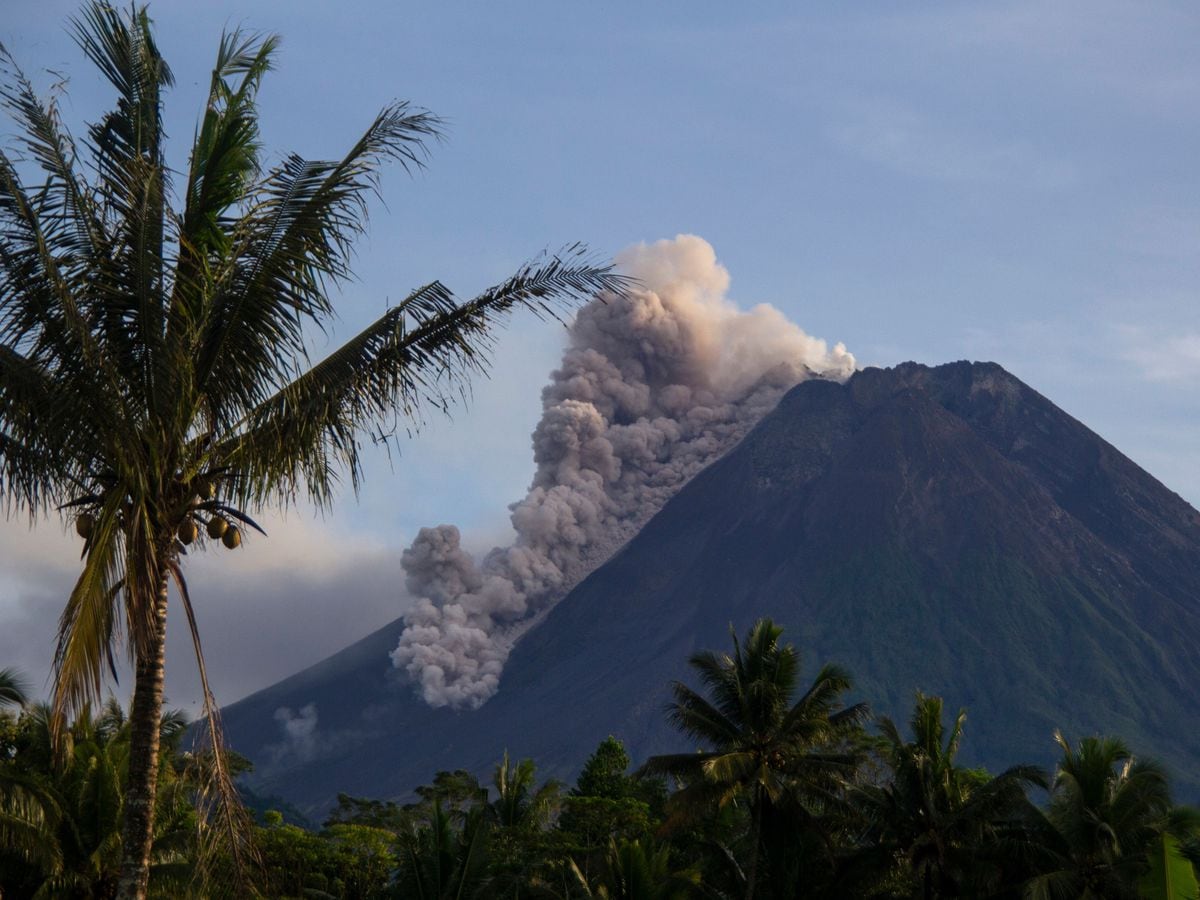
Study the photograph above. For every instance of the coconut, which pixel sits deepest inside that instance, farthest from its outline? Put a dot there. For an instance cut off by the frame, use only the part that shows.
(206, 489)
(232, 537)
(84, 525)
(188, 531)
(217, 527)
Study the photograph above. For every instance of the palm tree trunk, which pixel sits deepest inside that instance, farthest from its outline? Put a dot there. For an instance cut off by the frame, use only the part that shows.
(755, 841)
(142, 787)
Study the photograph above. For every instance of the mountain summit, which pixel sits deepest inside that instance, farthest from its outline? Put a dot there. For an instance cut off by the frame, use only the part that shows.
(944, 529)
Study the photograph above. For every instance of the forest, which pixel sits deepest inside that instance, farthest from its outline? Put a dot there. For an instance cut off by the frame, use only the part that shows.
(791, 793)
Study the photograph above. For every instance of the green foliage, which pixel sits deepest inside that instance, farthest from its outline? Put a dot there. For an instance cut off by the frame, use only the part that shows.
(355, 862)
(605, 774)
(794, 799)
(13, 689)
(61, 813)
(1108, 814)
(635, 871)
(1171, 875)
(942, 824)
(445, 857)
(520, 803)
(373, 813)
(767, 747)
(457, 790)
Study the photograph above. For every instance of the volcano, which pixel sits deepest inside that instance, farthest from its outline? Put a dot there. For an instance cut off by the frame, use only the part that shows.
(940, 529)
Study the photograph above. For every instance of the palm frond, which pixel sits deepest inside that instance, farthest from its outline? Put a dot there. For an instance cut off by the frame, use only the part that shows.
(90, 625)
(684, 766)
(45, 431)
(42, 313)
(14, 689)
(132, 177)
(225, 151)
(217, 798)
(419, 354)
(696, 717)
(74, 227)
(29, 817)
(289, 247)
(223, 167)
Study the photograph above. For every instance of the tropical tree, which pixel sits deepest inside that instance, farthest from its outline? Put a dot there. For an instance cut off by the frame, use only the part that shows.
(945, 823)
(520, 802)
(447, 856)
(70, 803)
(607, 804)
(26, 815)
(155, 379)
(762, 742)
(350, 861)
(1108, 812)
(13, 690)
(634, 871)
(520, 816)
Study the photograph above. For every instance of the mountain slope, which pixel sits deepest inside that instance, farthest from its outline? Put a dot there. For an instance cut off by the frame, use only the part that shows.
(945, 529)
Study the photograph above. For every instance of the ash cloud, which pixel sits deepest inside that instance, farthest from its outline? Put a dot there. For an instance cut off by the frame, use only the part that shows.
(651, 389)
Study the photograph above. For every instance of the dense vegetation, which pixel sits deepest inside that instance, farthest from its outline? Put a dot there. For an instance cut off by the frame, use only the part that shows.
(793, 793)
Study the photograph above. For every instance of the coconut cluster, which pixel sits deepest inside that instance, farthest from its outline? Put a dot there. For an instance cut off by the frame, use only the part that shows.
(203, 500)
(218, 527)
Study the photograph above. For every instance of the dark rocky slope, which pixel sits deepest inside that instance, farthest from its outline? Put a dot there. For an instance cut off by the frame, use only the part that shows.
(945, 529)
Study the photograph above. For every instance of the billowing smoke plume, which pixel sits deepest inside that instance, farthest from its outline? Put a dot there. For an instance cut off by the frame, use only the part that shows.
(651, 389)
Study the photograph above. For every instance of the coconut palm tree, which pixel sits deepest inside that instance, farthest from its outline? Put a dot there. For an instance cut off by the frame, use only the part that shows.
(763, 742)
(13, 690)
(945, 823)
(155, 380)
(1108, 811)
(447, 857)
(634, 871)
(61, 813)
(26, 819)
(520, 802)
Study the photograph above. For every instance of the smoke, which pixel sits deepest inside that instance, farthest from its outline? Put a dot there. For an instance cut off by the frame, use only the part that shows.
(652, 388)
(299, 733)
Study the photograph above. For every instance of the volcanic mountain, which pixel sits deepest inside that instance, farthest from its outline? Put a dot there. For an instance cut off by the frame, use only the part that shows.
(940, 529)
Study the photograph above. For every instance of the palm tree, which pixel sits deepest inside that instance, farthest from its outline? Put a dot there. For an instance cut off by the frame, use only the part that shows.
(13, 691)
(23, 820)
(764, 742)
(520, 816)
(520, 804)
(945, 823)
(155, 380)
(444, 861)
(634, 871)
(64, 810)
(1108, 811)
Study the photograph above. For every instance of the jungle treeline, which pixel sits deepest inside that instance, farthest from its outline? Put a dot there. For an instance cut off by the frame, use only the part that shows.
(781, 789)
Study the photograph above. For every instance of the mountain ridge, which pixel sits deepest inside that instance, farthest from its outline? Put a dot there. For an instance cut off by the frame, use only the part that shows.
(945, 529)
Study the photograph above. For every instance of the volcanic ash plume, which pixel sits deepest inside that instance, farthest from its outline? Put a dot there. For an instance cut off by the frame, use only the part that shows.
(652, 388)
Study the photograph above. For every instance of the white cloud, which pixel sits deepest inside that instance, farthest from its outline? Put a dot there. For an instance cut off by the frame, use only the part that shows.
(1161, 355)
(914, 144)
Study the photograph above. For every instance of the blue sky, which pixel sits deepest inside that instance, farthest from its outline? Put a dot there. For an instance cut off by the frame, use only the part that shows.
(1013, 181)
